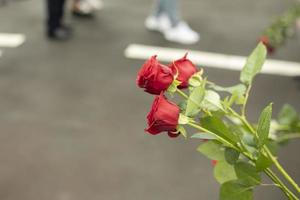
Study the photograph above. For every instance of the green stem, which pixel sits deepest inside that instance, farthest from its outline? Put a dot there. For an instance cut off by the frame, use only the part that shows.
(276, 180)
(196, 126)
(272, 184)
(281, 169)
(246, 100)
(182, 93)
(242, 119)
(277, 164)
(288, 136)
(251, 129)
(284, 189)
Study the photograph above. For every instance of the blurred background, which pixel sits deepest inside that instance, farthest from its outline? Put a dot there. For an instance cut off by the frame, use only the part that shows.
(72, 119)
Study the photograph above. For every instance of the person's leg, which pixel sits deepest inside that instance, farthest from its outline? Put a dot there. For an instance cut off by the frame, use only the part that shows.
(158, 8)
(180, 31)
(166, 19)
(52, 16)
(171, 9)
(61, 8)
(55, 11)
(158, 20)
(55, 27)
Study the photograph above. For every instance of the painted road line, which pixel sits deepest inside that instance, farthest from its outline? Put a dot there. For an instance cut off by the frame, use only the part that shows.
(11, 39)
(214, 60)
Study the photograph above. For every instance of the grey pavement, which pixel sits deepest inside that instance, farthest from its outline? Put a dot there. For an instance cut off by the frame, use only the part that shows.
(72, 119)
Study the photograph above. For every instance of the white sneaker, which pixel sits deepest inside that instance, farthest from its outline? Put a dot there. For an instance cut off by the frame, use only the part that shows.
(160, 23)
(84, 7)
(88, 6)
(182, 33)
(96, 4)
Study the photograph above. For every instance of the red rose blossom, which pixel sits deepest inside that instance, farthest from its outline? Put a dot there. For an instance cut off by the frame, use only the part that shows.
(214, 162)
(154, 77)
(184, 68)
(163, 116)
(265, 40)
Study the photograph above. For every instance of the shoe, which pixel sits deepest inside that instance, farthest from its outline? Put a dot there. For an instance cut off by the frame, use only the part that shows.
(160, 23)
(83, 9)
(80, 14)
(67, 27)
(61, 34)
(182, 34)
(95, 4)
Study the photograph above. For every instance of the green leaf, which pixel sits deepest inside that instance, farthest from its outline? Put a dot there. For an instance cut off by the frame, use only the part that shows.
(247, 173)
(182, 105)
(217, 126)
(273, 147)
(231, 155)
(263, 128)
(196, 79)
(212, 150)
(224, 172)
(253, 64)
(182, 131)
(239, 88)
(237, 92)
(211, 101)
(249, 143)
(287, 115)
(234, 190)
(249, 140)
(263, 162)
(173, 87)
(204, 136)
(183, 119)
(195, 99)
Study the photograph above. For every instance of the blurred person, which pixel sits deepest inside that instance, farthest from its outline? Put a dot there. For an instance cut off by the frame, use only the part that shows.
(56, 29)
(166, 19)
(86, 8)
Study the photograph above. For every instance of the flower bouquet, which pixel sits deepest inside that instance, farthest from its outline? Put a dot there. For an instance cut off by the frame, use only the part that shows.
(281, 29)
(240, 151)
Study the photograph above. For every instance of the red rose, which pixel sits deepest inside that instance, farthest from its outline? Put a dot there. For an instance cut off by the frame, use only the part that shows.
(184, 68)
(154, 77)
(265, 40)
(163, 116)
(214, 162)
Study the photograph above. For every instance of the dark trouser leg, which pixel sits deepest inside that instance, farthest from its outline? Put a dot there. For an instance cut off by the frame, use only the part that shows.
(61, 11)
(55, 10)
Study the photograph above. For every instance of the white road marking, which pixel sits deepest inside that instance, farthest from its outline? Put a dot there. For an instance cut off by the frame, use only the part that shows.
(11, 39)
(214, 60)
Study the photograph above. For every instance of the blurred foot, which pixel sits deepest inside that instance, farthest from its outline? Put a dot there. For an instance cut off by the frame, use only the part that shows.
(82, 9)
(160, 23)
(80, 14)
(182, 34)
(61, 33)
(95, 4)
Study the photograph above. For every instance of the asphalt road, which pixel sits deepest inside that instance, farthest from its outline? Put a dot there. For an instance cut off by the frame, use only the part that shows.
(72, 119)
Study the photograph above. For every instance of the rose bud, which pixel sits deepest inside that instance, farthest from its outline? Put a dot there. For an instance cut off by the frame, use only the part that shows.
(184, 69)
(163, 116)
(214, 162)
(154, 77)
(265, 40)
